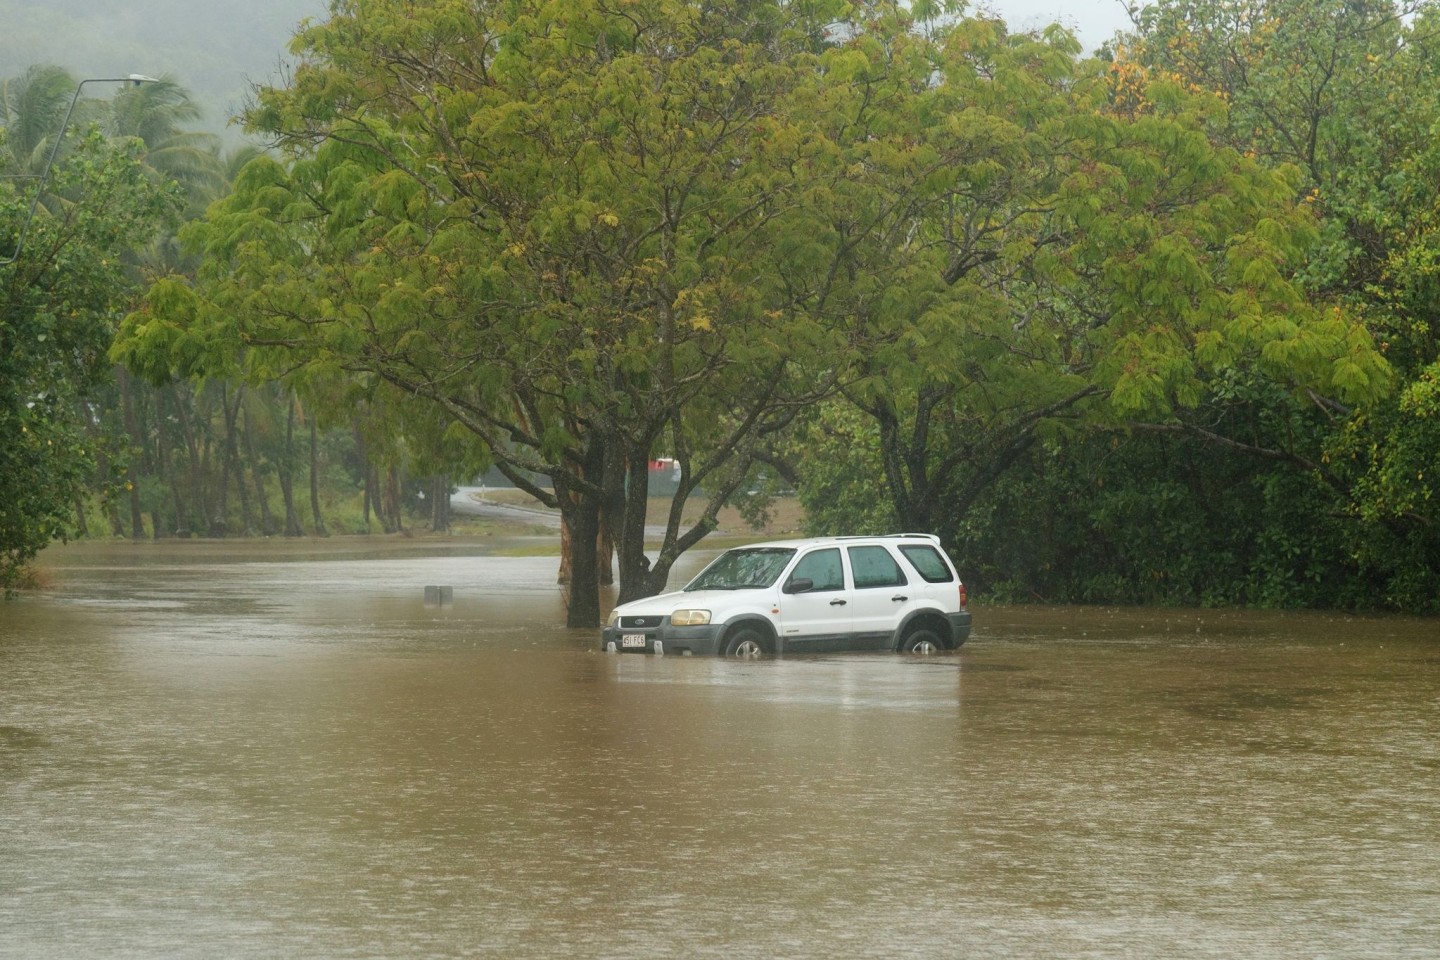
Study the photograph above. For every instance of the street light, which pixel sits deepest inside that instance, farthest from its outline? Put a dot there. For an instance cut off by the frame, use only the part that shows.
(135, 79)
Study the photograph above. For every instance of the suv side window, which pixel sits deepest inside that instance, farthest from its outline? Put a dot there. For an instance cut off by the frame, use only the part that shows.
(927, 560)
(875, 567)
(823, 568)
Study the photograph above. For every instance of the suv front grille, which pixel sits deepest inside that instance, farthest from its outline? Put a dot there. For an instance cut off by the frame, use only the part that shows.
(654, 620)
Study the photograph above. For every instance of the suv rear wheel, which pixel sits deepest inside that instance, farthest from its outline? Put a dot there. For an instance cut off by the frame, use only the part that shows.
(922, 640)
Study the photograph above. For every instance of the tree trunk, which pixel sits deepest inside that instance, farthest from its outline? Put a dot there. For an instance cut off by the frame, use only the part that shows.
(604, 552)
(393, 505)
(101, 482)
(892, 464)
(137, 442)
(375, 494)
(287, 466)
(581, 519)
(365, 510)
(320, 530)
(628, 493)
(165, 471)
(369, 498)
(102, 467)
(192, 452)
(440, 504)
(267, 522)
(179, 526)
(232, 460)
(562, 576)
(580, 512)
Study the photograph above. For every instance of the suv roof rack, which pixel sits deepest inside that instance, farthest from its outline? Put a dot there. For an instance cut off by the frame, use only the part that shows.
(884, 536)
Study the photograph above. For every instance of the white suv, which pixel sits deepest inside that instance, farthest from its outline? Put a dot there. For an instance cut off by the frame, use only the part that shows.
(896, 592)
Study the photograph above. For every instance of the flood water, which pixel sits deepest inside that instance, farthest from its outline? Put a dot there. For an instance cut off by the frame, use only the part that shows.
(278, 750)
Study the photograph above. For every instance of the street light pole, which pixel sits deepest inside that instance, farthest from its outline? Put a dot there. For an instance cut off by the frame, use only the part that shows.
(135, 79)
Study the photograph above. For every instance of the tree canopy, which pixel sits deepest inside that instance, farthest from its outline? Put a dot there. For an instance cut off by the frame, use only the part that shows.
(1345, 93)
(589, 236)
(59, 301)
(1157, 325)
(1089, 251)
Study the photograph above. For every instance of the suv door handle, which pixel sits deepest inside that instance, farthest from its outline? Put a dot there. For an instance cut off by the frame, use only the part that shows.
(899, 598)
(837, 603)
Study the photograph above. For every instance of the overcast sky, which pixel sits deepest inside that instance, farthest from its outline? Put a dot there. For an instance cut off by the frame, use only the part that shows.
(218, 46)
(1092, 21)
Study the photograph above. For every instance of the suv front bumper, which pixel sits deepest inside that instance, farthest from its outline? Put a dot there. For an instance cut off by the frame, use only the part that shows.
(704, 640)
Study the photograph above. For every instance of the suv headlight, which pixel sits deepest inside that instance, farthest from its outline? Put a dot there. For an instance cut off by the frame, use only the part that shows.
(690, 618)
(614, 620)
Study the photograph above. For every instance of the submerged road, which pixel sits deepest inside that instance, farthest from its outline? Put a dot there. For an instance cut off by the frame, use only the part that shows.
(472, 501)
(267, 749)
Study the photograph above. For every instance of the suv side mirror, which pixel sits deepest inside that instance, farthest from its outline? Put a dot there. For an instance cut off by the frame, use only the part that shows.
(800, 585)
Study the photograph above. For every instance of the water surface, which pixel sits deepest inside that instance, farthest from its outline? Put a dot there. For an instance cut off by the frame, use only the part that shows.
(277, 750)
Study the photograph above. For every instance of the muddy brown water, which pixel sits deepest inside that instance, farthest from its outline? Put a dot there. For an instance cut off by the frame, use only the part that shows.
(278, 750)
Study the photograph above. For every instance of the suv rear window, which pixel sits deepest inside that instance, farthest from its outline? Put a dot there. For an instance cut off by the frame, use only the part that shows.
(928, 562)
(875, 567)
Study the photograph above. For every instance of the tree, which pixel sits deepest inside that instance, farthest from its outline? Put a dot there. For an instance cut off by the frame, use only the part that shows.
(57, 306)
(31, 107)
(588, 234)
(1347, 93)
(156, 113)
(1084, 253)
(1331, 86)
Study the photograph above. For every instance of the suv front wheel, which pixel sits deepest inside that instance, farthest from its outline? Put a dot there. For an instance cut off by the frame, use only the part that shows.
(746, 643)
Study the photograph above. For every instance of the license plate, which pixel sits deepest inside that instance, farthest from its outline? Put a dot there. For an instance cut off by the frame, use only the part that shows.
(632, 640)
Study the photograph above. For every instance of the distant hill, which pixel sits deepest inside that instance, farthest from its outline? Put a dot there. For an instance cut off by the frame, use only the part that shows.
(216, 48)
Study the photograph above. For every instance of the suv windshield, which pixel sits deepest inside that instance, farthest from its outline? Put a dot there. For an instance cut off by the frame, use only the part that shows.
(742, 569)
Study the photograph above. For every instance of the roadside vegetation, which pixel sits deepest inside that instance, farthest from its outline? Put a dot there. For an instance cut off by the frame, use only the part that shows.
(1153, 326)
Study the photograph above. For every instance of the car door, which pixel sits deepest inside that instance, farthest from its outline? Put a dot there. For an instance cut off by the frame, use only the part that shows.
(815, 619)
(879, 597)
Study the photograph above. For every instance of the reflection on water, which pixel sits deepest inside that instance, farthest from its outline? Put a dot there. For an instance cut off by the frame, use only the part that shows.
(249, 752)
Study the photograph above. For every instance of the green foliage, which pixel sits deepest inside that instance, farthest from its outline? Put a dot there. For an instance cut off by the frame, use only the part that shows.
(1069, 258)
(1346, 94)
(155, 113)
(31, 106)
(589, 236)
(57, 304)
(843, 490)
(1164, 520)
(1077, 311)
(43, 460)
(1401, 473)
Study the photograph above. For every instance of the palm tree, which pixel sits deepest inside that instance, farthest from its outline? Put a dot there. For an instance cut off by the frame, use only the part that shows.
(31, 108)
(155, 113)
